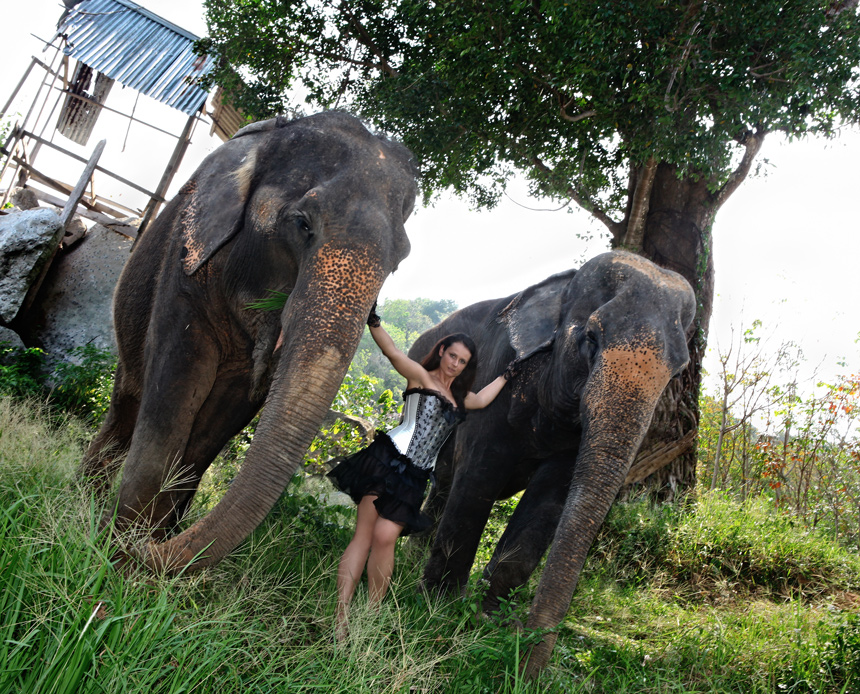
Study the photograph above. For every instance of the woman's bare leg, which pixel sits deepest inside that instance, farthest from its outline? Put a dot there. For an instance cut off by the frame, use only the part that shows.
(380, 565)
(352, 561)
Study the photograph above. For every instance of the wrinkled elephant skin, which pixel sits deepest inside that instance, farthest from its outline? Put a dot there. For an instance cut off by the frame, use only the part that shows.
(605, 341)
(314, 208)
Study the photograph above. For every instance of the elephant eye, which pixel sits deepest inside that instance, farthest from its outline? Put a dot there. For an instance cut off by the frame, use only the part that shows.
(303, 225)
(589, 345)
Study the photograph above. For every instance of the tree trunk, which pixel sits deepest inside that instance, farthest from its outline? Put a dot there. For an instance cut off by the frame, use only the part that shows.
(677, 236)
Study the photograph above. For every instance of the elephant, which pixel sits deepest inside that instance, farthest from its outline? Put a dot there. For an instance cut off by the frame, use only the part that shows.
(314, 208)
(595, 348)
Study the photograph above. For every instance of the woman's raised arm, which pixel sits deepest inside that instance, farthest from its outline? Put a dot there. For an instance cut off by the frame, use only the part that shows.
(411, 370)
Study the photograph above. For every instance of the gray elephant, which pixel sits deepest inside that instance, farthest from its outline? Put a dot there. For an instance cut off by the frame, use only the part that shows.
(314, 208)
(598, 347)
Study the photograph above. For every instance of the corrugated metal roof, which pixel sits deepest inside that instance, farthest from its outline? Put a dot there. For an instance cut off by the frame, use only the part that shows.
(138, 49)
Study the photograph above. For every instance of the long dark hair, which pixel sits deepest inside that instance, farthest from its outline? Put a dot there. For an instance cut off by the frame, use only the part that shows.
(463, 383)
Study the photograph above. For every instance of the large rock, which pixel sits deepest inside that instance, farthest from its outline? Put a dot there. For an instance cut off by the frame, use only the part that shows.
(24, 199)
(10, 337)
(28, 240)
(73, 306)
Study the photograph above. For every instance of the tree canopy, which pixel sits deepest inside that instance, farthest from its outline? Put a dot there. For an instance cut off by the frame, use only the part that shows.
(571, 93)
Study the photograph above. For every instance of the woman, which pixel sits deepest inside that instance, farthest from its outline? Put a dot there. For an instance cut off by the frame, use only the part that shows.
(388, 478)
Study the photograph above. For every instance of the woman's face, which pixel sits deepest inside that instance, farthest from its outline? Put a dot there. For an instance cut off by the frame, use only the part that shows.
(454, 359)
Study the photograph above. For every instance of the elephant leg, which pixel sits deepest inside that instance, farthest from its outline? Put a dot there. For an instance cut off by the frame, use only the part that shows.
(529, 531)
(478, 481)
(179, 379)
(227, 411)
(104, 456)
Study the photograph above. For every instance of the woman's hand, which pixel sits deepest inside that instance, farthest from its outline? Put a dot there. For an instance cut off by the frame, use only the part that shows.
(373, 320)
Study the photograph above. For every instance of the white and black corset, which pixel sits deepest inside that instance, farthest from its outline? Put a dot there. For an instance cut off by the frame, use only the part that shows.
(428, 419)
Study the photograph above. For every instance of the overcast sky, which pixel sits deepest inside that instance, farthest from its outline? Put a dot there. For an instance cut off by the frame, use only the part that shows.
(786, 244)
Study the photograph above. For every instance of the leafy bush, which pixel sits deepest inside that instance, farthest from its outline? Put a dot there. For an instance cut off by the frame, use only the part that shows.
(85, 382)
(721, 548)
(21, 371)
(82, 385)
(356, 398)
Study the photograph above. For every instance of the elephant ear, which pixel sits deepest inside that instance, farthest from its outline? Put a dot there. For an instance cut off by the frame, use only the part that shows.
(262, 126)
(217, 192)
(532, 317)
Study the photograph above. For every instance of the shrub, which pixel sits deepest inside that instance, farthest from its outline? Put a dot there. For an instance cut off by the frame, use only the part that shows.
(81, 385)
(21, 371)
(84, 383)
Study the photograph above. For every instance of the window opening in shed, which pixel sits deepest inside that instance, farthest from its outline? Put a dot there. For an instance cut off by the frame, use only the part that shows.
(81, 108)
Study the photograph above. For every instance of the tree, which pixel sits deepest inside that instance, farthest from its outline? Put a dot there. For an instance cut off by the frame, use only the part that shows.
(647, 113)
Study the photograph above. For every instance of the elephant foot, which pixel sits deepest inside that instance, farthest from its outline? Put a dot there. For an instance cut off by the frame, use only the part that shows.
(442, 589)
(508, 621)
(492, 610)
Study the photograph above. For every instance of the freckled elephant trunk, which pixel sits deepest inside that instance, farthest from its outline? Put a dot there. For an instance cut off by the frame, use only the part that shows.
(322, 323)
(609, 444)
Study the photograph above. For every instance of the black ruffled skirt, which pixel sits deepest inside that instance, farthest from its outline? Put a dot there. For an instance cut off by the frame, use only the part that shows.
(383, 471)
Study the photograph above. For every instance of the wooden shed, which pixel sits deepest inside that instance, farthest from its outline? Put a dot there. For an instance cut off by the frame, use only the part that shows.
(98, 44)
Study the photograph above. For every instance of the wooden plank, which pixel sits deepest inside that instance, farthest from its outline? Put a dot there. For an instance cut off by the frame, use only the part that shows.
(79, 189)
(78, 157)
(66, 189)
(169, 172)
(103, 219)
(8, 103)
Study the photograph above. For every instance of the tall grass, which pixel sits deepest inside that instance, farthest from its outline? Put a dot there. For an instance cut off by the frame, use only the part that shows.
(666, 603)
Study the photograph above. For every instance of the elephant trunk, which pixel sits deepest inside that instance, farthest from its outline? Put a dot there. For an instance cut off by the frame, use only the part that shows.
(322, 322)
(617, 406)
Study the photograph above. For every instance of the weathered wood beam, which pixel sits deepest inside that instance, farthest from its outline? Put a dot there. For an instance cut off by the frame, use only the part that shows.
(110, 222)
(648, 462)
(78, 192)
(15, 91)
(103, 170)
(169, 173)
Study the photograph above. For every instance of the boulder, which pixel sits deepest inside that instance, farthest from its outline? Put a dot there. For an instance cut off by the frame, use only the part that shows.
(11, 338)
(28, 241)
(73, 306)
(24, 199)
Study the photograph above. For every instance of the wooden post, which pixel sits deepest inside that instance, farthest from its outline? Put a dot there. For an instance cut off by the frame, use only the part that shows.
(78, 192)
(13, 138)
(169, 173)
(18, 88)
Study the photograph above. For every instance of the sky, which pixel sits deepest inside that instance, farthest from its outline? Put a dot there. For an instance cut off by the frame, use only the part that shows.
(786, 244)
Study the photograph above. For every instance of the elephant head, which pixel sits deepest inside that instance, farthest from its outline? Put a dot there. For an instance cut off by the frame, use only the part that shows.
(313, 208)
(597, 348)
(620, 335)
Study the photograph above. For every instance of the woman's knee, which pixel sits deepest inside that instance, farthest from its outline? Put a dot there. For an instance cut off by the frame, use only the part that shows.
(385, 533)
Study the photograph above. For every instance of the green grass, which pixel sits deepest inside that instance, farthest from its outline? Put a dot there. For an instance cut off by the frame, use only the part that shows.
(717, 599)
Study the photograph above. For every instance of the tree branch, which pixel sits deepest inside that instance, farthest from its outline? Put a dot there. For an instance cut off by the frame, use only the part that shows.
(752, 142)
(639, 210)
(367, 40)
(837, 8)
(583, 201)
(685, 53)
(578, 117)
